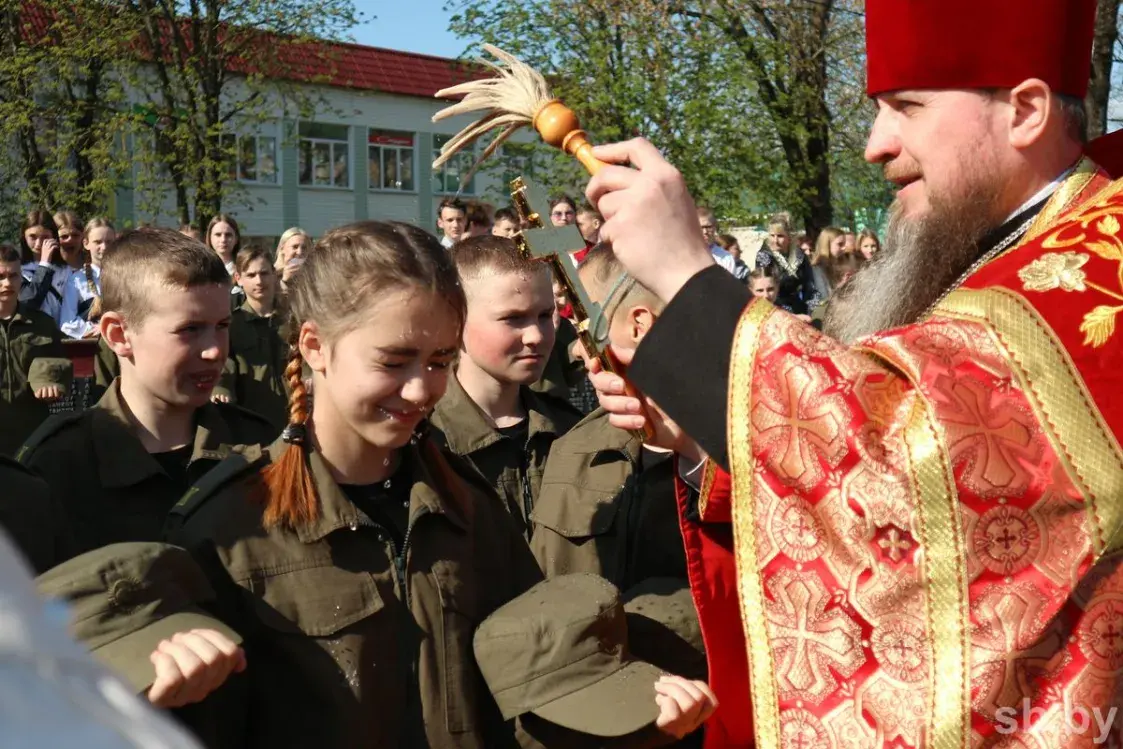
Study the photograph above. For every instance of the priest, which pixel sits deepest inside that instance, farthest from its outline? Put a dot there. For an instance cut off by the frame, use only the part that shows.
(908, 531)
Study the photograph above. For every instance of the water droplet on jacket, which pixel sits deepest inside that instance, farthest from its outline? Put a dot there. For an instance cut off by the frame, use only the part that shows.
(354, 525)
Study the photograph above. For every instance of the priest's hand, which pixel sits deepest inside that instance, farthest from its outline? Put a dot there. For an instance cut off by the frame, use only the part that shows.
(627, 412)
(650, 219)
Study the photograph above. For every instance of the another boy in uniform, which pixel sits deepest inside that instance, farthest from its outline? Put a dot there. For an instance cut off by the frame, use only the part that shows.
(607, 503)
(489, 414)
(118, 468)
(34, 370)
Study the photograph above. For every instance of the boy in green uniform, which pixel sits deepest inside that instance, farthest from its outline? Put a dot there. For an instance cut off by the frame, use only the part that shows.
(607, 503)
(489, 414)
(34, 371)
(259, 349)
(118, 468)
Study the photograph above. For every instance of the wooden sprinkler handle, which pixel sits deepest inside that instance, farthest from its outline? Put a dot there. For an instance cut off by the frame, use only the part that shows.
(560, 128)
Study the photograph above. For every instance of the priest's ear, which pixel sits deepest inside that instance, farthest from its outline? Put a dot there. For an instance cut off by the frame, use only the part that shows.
(1035, 114)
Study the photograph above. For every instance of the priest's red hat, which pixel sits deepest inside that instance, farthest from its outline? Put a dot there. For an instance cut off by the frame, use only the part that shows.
(926, 44)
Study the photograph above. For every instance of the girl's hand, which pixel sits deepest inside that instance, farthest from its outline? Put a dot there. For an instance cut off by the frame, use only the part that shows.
(684, 705)
(46, 250)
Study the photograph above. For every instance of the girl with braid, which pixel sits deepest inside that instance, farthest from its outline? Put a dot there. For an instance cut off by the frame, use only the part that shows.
(81, 302)
(354, 556)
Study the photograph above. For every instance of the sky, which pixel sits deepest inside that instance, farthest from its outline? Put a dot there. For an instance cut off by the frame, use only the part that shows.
(410, 25)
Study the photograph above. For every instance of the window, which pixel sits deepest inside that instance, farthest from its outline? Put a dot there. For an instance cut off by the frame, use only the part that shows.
(517, 160)
(390, 160)
(251, 158)
(447, 179)
(324, 155)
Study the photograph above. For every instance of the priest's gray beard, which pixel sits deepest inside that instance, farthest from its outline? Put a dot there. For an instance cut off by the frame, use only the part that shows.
(920, 259)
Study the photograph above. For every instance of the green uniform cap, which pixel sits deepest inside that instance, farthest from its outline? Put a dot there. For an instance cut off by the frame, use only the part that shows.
(663, 626)
(126, 598)
(560, 651)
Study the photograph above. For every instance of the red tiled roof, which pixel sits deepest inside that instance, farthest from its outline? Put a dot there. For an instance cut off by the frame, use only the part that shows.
(374, 69)
(331, 63)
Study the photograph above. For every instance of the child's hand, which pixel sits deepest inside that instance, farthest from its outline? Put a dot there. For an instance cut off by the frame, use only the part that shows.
(683, 705)
(46, 250)
(220, 398)
(49, 394)
(191, 665)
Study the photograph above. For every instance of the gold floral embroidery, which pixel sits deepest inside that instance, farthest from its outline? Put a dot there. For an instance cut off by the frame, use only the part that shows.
(1064, 270)
(1055, 271)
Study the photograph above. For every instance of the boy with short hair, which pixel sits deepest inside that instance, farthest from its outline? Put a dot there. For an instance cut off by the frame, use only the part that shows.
(506, 223)
(607, 504)
(452, 220)
(489, 415)
(118, 468)
(34, 370)
(588, 223)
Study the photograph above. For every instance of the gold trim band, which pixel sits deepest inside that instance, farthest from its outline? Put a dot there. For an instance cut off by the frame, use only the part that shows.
(766, 706)
(1060, 401)
(939, 523)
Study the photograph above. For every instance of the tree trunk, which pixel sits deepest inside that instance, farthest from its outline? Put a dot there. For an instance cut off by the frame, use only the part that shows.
(1103, 55)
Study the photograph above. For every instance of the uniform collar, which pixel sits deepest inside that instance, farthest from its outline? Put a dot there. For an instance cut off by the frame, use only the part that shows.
(436, 489)
(466, 428)
(122, 459)
(252, 313)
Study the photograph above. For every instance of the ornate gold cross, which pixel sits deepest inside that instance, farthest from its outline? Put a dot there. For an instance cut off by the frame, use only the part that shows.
(555, 245)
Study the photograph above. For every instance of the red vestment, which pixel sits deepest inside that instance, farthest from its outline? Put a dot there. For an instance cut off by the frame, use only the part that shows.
(920, 535)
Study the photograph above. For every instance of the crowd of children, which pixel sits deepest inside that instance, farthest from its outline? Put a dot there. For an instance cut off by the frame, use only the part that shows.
(373, 449)
(367, 449)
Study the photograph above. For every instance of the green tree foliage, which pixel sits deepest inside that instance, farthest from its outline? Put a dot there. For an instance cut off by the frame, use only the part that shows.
(759, 104)
(215, 68)
(60, 105)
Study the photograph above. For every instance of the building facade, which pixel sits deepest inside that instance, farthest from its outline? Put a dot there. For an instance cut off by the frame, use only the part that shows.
(366, 153)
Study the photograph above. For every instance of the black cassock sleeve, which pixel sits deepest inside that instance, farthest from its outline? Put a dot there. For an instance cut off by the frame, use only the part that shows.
(683, 363)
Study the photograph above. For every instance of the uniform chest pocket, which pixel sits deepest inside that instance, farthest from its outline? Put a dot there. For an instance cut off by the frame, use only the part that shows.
(581, 494)
(318, 601)
(460, 614)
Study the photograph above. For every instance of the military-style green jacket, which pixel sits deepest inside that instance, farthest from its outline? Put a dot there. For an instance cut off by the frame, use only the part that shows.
(110, 488)
(350, 640)
(255, 370)
(513, 470)
(600, 512)
(31, 517)
(31, 357)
